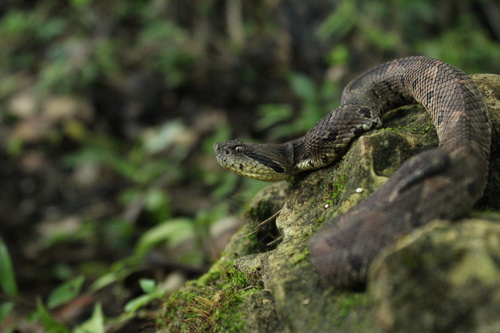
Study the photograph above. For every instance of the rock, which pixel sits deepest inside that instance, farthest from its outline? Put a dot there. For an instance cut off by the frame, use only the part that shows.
(444, 277)
(267, 268)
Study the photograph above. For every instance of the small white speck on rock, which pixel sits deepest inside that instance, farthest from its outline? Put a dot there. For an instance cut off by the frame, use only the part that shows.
(359, 190)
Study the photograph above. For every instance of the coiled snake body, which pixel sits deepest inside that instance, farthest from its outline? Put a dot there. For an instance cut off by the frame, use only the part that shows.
(443, 183)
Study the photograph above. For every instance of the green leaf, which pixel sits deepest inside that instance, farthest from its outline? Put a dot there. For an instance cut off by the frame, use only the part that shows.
(339, 55)
(163, 137)
(14, 146)
(95, 324)
(79, 3)
(7, 276)
(50, 324)
(156, 201)
(5, 309)
(147, 285)
(173, 232)
(340, 21)
(270, 114)
(65, 292)
(226, 185)
(304, 87)
(104, 281)
(138, 302)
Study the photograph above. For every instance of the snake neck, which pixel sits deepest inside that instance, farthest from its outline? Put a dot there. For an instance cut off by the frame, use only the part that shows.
(302, 157)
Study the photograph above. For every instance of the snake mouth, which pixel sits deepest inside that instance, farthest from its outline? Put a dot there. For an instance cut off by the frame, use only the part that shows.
(251, 170)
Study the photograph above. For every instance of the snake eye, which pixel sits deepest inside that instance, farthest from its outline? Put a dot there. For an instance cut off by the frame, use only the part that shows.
(238, 149)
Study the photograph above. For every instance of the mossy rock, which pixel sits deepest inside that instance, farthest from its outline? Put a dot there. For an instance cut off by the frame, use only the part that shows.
(264, 281)
(444, 277)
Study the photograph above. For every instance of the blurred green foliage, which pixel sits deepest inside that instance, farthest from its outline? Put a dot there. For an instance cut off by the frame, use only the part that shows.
(70, 48)
(314, 100)
(7, 277)
(460, 33)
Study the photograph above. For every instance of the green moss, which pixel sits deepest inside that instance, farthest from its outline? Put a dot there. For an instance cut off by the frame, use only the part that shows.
(418, 128)
(408, 119)
(486, 214)
(353, 313)
(299, 256)
(259, 212)
(237, 278)
(346, 302)
(319, 220)
(209, 304)
(337, 188)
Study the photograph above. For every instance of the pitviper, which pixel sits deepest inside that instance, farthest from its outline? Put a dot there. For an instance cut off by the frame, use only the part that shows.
(442, 183)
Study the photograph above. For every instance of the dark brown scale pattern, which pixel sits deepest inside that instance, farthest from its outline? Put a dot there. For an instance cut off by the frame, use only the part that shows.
(441, 183)
(444, 182)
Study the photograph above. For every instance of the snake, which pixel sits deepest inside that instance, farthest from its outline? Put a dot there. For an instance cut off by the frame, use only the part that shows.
(441, 183)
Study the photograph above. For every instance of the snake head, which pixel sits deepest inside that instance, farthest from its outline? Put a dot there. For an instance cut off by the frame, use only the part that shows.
(267, 162)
